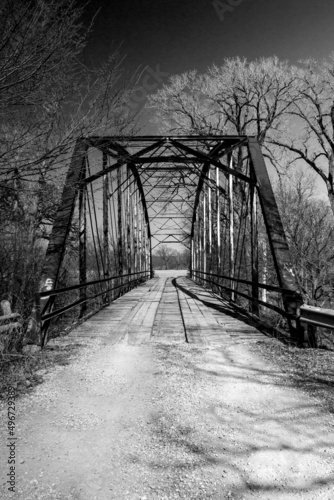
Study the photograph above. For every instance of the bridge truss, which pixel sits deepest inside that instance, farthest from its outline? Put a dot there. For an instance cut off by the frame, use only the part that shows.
(124, 196)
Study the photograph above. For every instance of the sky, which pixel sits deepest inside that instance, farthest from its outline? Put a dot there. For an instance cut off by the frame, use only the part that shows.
(160, 38)
(180, 35)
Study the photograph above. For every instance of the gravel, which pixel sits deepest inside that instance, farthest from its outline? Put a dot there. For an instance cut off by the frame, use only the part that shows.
(164, 421)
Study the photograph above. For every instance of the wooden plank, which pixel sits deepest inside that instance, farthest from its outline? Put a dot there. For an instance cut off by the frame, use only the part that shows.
(152, 313)
(205, 318)
(168, 324)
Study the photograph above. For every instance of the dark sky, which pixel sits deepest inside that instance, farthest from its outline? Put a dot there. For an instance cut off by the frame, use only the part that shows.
(179, 35)
(174, 36)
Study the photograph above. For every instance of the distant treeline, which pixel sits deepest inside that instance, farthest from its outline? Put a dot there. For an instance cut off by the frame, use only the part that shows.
(167, 258)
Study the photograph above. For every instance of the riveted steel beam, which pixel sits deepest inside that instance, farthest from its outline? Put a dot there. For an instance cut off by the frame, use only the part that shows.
(60, 230)
(275, 231)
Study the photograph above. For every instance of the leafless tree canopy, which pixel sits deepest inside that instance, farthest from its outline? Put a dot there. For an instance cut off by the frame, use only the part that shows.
(48, 99)
(290, 109)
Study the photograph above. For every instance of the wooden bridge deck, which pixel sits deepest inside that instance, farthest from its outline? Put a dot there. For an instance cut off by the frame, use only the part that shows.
(169, 308)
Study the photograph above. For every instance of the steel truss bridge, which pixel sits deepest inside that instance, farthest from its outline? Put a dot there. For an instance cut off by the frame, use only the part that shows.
(124, 196)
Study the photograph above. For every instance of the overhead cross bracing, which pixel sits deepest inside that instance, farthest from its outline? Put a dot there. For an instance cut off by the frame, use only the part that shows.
(124, 196)
(169, 169)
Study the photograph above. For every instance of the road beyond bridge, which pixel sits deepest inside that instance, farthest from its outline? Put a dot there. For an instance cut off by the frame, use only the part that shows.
(139, 413)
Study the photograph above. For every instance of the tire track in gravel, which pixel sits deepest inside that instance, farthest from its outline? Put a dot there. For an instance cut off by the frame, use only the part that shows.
(168, 325)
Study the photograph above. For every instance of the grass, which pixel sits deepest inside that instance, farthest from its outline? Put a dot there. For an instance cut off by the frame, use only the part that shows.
(310, 369)
(26, 370)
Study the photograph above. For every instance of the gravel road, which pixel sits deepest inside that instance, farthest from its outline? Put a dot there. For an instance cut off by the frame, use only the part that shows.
(169, 420)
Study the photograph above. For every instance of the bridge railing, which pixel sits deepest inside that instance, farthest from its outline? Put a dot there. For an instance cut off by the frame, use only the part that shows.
(309, 317)
(53, 293)
(45, 301)
(250, 298)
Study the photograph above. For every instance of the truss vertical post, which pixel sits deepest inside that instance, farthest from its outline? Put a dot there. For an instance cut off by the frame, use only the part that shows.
(82, 247)
(150, 252)
(120, 224)
(264, 269)
(194, 262)
(114, 236)
(231, 216)
(198, 253)
(128, 222)
(143, 245)
(195, 235)
(145, 257)
(218, 220)
(200, 256)
(210, 219)
(204, 231)
(191, 257)
(123, 212)
(139, 239)
(131, 240)
(105, 222)
(142, 242)
(146, 250)
(135, 231)
(254, 245)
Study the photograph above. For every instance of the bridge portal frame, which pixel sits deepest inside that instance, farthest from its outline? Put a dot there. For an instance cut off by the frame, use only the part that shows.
(185, 151)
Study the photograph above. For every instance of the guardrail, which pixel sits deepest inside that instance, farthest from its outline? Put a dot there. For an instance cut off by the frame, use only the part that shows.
(317, 316)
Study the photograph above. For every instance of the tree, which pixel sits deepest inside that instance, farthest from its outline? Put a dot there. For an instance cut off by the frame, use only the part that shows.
(48, 99)
(312, 108)
(309, 228)
(289, 109)
(238, 98)
(165, 253)
(167, 258)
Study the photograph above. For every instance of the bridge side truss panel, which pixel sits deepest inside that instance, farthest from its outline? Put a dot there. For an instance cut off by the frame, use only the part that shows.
(104, 213)
(229, 234)
(108, 227)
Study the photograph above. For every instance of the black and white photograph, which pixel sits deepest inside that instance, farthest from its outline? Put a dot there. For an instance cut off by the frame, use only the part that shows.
(166, 250)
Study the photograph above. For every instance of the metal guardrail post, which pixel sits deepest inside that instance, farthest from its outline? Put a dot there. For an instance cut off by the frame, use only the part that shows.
(292, 304)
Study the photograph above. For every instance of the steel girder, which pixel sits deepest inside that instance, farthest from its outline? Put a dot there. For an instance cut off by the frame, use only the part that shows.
(182, 152)
(275, 231)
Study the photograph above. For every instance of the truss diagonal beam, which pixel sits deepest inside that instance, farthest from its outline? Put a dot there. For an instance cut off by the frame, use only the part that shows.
(128, 158)
(214, 162)
(272, 219)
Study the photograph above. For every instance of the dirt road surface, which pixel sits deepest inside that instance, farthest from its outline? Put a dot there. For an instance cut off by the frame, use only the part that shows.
(162, 419)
